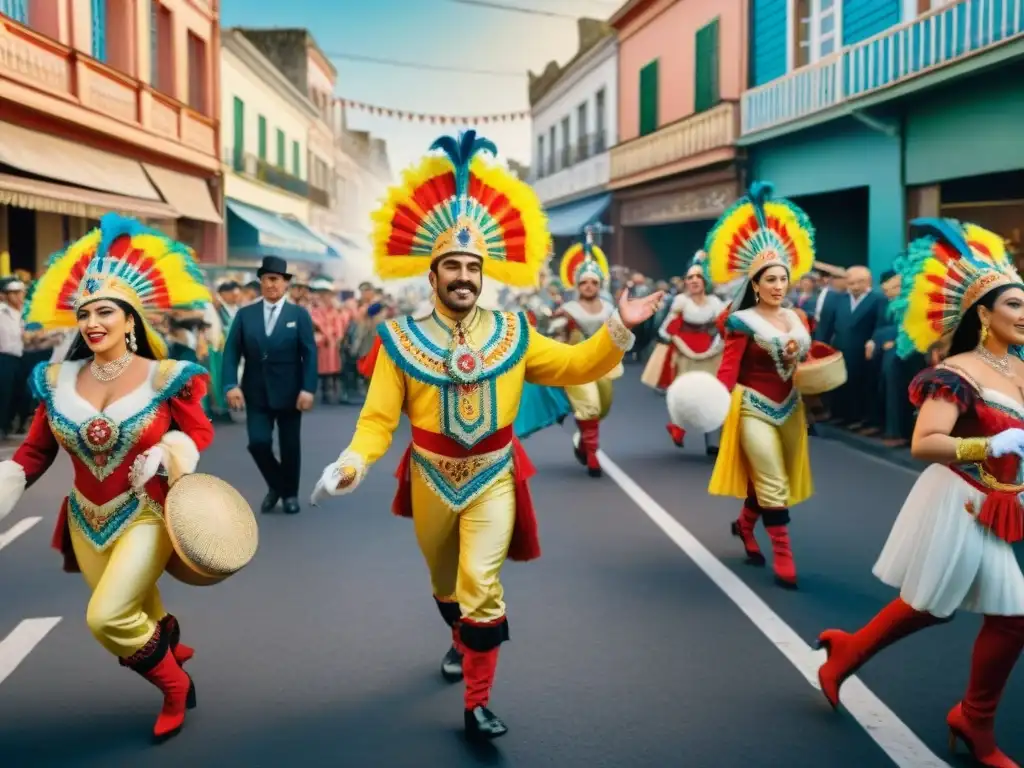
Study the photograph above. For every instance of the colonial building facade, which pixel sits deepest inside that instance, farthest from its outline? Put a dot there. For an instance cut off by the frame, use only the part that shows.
(108, 107)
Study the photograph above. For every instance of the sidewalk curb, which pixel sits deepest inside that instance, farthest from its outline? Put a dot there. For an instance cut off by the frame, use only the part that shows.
(899, 456)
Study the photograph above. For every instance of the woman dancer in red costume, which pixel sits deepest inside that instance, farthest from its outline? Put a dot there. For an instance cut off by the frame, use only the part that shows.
(951, 546)
(123, 412)
(696, 345)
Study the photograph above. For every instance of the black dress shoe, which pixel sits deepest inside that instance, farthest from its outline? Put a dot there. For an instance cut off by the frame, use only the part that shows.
(269, 502)
(483, 725)
(291, 506)
(451, 665)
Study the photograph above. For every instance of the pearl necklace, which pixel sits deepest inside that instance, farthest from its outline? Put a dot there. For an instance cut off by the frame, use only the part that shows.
(113, 369)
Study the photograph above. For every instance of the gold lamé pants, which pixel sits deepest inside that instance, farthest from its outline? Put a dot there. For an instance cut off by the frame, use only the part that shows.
(125, 605)
(465, 550)
(765, 446)
(590, 401)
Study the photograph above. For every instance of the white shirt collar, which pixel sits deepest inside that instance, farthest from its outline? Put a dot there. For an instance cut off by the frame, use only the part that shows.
(268, 304)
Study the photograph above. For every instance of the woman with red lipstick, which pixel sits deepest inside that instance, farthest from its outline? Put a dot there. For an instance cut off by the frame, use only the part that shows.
(952, 544)
(763, 457)
(692, 331)
(123, 412)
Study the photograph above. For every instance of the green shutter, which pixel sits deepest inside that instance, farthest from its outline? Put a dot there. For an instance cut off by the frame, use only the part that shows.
(649, 98)
(263, 138)
(280, 149)
(238, 144)
(706, 91)
(296, 164)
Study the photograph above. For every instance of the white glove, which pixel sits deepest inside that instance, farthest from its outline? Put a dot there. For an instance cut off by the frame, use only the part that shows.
(1006, 442)
(145, 466)
(327, 485)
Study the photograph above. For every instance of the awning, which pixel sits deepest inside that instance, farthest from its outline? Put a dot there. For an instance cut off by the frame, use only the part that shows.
(54, 158)
(254, 233)
(569, 220)
(74, 201)
(189, 195)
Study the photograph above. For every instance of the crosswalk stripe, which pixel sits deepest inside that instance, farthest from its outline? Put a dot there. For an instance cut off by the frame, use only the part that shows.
(19, 644)
(20, 527)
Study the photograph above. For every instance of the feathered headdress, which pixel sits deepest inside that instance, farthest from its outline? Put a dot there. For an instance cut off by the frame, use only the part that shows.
(757, 232)
(455, 202)
(121, 260)
(944, 273)
(583, 260)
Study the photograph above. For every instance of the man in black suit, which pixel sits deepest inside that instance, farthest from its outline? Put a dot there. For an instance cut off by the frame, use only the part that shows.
(848, 322)
(275, 338)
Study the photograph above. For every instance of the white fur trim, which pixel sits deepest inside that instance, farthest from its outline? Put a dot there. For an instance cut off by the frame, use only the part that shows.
(181, 451)
(698, 401)
(621, 335)
(683, 349)
(12, 485)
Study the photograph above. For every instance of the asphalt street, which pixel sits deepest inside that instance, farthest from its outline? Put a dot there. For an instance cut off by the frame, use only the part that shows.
(624, 652)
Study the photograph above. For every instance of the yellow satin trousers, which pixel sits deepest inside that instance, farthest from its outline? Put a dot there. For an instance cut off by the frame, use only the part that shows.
(766, 447)
(590, 401)
(125, 605)
(465, 550)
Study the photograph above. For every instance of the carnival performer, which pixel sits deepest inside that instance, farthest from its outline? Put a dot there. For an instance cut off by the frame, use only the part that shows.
(692, 330)
(458, 375)
(127, 417)
(951, 546)
(763, 456)
(585, 269)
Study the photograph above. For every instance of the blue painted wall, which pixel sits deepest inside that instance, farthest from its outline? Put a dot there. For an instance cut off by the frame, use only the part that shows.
(864, 18)
(767, 40)
(861, 20)
(842, 155)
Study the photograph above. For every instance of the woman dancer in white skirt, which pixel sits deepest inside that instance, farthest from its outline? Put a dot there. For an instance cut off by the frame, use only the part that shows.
(950, 547)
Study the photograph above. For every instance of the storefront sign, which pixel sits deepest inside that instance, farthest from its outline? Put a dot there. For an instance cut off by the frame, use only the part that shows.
(697, 204)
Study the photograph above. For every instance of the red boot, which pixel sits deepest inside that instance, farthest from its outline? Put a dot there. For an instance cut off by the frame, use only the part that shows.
(743, 528)
(172, 628)
(972, 721)
(677, 433)
(589, 444)
(478, 668)
(156, 663)
(782, 557)
(849, 652)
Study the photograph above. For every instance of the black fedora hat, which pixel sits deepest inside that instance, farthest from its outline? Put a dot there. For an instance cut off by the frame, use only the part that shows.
(274, 265)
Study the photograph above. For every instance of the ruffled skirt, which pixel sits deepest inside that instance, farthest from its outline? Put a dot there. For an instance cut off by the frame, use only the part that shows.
(942, 560)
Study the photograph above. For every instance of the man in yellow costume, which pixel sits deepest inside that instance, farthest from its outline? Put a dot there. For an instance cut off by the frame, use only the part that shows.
(458, 374)
(585, 268)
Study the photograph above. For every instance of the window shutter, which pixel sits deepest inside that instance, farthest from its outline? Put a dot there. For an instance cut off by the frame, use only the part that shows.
(649, 98)
(99, 30)
(706, 93)
(296, 161)
(263, 138)
(238, 150)
(280, 149)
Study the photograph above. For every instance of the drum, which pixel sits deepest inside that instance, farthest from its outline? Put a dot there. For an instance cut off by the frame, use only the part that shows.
(823, 371)
(212, 529)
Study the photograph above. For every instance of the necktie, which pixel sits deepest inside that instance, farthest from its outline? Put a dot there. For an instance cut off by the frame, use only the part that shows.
(270, 319)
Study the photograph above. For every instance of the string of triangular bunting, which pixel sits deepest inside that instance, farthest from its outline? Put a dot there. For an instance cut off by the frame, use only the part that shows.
(422, 117)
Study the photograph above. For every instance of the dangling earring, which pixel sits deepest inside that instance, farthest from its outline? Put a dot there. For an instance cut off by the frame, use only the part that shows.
(757, 297)
(984, 336)
(132, 344)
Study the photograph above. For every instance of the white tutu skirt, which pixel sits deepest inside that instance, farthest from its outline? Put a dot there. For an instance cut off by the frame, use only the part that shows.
(942, 560)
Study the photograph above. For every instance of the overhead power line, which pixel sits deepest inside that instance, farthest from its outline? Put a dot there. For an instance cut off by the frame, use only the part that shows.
(424, 65)
(495, 6)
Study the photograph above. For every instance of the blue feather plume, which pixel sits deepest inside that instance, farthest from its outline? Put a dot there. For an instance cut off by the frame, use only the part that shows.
(947, 230)
(461, 152)
(760, 193)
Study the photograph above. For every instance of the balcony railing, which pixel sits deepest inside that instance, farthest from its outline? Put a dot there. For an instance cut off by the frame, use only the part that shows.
(676, 142)
(319, 197)
(578, 178)
(38, 62)
(936, 39)
(246, 164)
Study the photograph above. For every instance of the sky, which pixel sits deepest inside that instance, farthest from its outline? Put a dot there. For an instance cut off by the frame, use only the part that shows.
(445, 33)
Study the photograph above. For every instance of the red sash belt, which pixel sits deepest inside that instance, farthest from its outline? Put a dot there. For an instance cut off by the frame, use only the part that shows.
(525, 544)
(1001, 511)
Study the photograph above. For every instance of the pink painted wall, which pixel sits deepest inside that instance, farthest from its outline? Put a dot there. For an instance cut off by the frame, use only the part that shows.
(667, 31)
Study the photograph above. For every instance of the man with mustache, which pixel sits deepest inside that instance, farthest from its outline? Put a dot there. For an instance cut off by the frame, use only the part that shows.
(458, 375)
(585, 268)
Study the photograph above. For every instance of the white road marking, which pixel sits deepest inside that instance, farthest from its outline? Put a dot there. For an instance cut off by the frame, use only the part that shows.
(19, 644)
(20, 527)
(902, 746)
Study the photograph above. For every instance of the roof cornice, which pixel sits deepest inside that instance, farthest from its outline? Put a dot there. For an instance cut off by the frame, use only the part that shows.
(576, 71)
(247, 53)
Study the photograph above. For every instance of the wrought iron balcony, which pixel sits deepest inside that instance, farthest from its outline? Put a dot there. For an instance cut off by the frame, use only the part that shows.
(936, 39)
